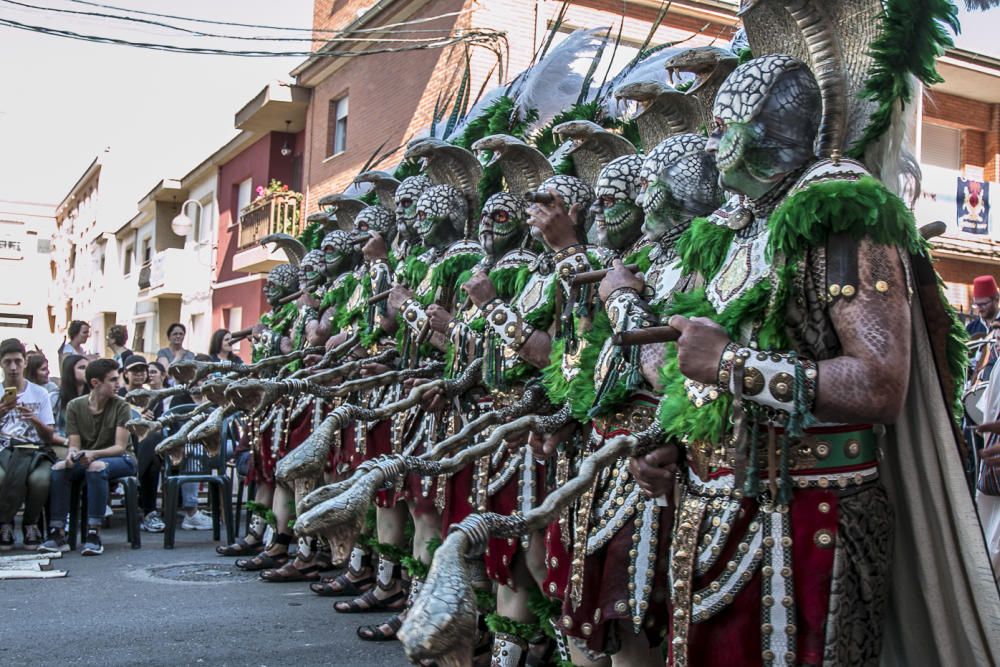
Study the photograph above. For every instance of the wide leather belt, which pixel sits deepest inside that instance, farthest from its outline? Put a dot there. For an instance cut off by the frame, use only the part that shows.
(820, 449)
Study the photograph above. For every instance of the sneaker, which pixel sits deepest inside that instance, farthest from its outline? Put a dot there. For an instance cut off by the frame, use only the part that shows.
(32, 537)
(197, 521)
(57, 542)
(152, 523)
(6, 536)
(92, 546)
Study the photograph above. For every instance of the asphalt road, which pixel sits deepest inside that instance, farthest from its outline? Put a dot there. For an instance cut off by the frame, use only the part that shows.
(184, 606)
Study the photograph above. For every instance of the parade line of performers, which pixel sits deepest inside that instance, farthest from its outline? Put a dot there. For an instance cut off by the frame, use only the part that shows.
(585, 390)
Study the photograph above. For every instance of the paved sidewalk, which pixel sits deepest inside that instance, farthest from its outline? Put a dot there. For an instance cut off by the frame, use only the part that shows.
(184, 606)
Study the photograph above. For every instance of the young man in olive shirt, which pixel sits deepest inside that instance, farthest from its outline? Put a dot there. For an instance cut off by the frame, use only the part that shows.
(99, 449)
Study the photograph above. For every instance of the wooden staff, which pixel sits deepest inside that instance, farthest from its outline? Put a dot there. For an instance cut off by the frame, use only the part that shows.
(291, 297)
(378, 298)
(591, 277)
(648, 336)
(241, 334)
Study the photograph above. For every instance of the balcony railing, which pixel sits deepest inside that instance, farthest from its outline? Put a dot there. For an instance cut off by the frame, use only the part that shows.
(276, 213)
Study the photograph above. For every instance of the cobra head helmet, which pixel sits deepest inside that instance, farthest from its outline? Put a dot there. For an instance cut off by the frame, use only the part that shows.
(281, 281)
(617, 218)
(441, 215)
(767, 117)
(679, 182)
(503, 224)
(311, 267)
(376, 219)
(406, 197)
(338, 253)
(572, 191)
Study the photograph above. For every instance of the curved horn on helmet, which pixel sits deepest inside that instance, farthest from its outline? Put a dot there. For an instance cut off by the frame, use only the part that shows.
(524, 167)
(447, 164)
(290, 245)
(384, 184)
(344, 209)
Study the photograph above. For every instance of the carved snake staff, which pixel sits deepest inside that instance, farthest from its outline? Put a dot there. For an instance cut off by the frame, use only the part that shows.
(307, 460)
(332, 355)
(173, 445)
(209, 432)
(530, 402)
(253, 395)
(340, 519)
(441, 624)
(141, 428)
(141, 398)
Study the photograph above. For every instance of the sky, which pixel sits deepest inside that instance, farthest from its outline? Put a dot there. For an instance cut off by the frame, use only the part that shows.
(65, 101)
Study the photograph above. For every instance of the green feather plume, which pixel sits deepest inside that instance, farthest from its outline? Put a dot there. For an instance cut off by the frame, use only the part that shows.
(912, 35)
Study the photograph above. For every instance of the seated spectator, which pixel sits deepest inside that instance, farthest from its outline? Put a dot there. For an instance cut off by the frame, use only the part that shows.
(175, 350)
(147, 462)
(117, 337)
(77, 334)
(134, 368)
(36, 371)
(194, 518)
(72, 383)
(99, 450)
(25, 455)
(221, 347)
(156, 375)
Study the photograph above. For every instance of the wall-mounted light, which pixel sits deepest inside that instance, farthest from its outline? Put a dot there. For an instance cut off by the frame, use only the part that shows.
(286, 150)
(182, 224)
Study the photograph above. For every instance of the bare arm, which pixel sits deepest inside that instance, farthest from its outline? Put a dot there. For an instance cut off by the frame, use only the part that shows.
(868, 381)
(117, 449)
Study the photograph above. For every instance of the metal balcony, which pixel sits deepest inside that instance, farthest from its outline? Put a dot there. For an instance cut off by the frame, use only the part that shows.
(275, 213)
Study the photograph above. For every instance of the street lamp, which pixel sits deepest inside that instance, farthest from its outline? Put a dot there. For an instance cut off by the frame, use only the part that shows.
(182, 224)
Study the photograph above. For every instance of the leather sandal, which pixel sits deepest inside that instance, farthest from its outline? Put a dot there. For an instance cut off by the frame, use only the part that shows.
(375, 633)
(369, 602)
(240, 548)
(288, 572)
(263, 561)
(342, 586)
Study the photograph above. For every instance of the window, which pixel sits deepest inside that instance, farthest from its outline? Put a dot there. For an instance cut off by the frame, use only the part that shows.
(204, 222)
(941, 146)
(16, 321)
(233, 321)
(337, 127)
(139, 337)
(243, 194)
(147, 251)
(127, 260)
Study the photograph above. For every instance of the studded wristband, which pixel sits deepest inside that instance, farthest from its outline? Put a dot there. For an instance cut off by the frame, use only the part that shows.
(770, 379)
(570, 261)
(507, 323)
(414, 314)
(627, 310)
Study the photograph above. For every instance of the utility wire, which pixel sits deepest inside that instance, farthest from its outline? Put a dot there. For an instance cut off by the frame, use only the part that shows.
(198, 33)
(483, 38)
(274, 27)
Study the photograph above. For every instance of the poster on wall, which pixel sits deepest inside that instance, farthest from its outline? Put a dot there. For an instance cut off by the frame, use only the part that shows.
(973, 206)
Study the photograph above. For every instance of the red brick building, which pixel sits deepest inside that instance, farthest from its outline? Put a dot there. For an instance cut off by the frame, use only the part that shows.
(271, 127)
(389, 98)
(959, 138)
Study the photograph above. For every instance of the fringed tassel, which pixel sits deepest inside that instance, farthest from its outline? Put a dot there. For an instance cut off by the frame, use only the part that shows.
(752, 483)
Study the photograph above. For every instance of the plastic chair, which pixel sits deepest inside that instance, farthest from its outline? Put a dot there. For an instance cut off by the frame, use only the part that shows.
(78, 509)
(197, 467)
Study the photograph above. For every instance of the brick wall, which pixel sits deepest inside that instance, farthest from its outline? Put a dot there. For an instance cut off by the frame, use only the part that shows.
(392, 96)
(980, 125)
